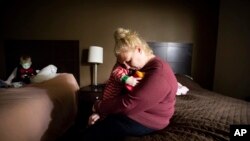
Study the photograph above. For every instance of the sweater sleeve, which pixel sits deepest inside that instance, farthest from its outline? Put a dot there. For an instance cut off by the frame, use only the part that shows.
(118, 72)
(152, 89)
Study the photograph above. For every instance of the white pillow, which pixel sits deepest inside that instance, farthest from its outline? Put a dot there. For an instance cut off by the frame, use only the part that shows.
(46, 73)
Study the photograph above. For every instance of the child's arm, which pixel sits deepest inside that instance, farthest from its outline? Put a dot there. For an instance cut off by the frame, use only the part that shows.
(132, 81)
(119, 72)
(12, 76)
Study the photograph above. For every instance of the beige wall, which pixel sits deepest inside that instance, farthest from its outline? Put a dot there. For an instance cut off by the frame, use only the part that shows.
(93, 23)
(232, 58)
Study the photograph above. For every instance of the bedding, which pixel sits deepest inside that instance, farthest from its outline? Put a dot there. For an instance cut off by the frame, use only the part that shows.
(44, 74)
(38, 112)
(201, 115)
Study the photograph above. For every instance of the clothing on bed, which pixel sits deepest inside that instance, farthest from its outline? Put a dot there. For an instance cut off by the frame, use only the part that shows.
(182, 90)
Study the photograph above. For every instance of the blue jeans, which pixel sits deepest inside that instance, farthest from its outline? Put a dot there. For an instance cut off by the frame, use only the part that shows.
(114, 127)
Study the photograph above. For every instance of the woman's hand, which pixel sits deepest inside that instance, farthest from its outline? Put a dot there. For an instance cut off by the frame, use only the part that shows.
(93, 118)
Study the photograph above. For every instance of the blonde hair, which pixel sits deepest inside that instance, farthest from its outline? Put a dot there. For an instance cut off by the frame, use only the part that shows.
(127, 40)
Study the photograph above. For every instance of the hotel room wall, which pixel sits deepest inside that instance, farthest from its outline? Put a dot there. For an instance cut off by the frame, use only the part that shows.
(93, 23)
(232, 57)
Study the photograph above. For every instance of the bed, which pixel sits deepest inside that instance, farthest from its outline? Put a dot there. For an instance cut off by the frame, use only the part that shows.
(201, 114)
(38, 112)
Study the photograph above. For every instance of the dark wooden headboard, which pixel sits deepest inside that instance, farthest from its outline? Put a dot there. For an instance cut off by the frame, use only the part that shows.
(178, 55)
(64, 54)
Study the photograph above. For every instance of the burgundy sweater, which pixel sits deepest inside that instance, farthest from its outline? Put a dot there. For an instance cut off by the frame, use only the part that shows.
(152, 101)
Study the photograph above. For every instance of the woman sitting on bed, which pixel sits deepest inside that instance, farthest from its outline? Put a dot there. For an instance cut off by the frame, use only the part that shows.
(149, 106)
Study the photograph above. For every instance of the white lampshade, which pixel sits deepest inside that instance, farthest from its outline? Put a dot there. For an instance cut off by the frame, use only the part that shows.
(95, 54)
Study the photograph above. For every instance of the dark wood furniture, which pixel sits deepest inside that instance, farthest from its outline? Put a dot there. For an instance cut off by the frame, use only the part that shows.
(85, 99)
(86, 96)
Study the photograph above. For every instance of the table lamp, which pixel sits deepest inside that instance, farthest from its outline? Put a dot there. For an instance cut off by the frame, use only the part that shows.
(95, 57)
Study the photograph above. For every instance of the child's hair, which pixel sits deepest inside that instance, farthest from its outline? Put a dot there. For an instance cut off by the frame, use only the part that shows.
(126, 40)
(25, 59)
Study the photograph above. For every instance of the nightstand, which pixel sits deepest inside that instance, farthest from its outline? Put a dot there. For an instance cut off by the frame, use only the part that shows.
(86, 97)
